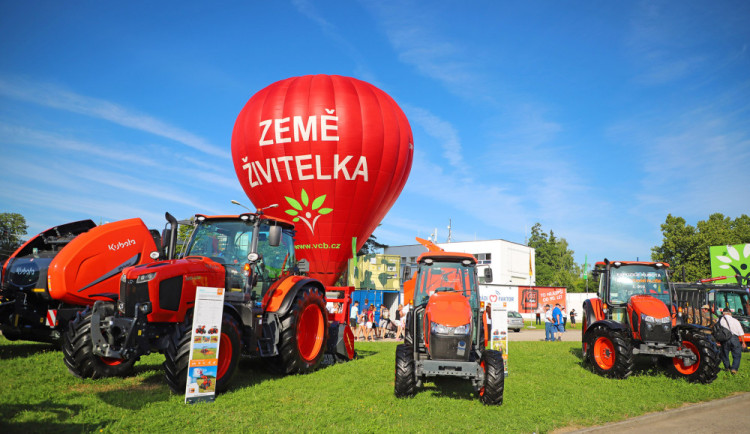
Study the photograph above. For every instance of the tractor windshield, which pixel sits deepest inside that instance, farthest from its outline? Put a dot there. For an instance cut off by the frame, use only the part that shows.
(228, 242)
(629, 280)
(446, 276)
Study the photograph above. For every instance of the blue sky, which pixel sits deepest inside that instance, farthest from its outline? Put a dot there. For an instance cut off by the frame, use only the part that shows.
(596, 119)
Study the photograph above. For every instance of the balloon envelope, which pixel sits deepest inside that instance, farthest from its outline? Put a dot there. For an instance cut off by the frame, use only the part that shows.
(333, 152)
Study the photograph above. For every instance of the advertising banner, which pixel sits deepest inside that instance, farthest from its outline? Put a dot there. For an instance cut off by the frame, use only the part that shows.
(499, 334)
(732, 262)
(533, 297)
(204, 345)
(375, 272)
(501, 296)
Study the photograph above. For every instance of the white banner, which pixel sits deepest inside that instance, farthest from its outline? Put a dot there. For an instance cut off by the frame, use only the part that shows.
(499, 334)
(204, 345)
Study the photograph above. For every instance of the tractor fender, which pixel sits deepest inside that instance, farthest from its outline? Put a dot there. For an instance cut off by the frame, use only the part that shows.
(281, 295)
(605, 323)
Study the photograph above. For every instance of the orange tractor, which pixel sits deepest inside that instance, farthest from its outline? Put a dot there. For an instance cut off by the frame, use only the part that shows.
(446, 332)
(636, 315)
(272, 310)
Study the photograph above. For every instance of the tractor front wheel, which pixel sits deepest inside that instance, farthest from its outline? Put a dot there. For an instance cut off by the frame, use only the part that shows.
(177, 356)
(705, 368)
(405, 384)
(304, 333)
(78, 351)
(611, 353)
(492, 389)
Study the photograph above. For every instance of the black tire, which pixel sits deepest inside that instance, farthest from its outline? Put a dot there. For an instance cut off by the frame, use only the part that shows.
(493, 387)
(177, 356)
(610, 353)
(77, 348)
(706, 368)
(304, 334)
(405, 383)
(584, 344)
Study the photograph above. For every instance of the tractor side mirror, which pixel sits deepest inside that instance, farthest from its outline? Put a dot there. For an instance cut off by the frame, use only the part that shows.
(274, 236)
(488, 275)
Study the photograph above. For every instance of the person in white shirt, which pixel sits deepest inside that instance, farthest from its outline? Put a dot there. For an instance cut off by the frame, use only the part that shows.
(733, 344)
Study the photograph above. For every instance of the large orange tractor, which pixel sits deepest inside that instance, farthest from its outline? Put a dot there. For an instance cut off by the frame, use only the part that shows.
(446, 332)
(636, 315)
(59, 272)
(272, 310)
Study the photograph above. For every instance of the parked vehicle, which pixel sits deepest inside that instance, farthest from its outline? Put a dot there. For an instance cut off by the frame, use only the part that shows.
(446, 331)
(636, 314)
(515, 321)
(271, 309)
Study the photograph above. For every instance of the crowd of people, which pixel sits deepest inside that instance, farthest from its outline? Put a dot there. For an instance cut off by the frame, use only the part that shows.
(368, 326)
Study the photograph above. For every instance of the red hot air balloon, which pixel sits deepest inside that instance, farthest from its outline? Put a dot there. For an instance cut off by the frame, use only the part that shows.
(333, 152)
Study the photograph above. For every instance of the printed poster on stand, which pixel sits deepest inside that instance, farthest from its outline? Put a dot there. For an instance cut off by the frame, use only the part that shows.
(204, 345)
(499, 334)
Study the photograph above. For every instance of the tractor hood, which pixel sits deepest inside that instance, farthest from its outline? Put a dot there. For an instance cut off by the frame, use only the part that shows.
(450, 309)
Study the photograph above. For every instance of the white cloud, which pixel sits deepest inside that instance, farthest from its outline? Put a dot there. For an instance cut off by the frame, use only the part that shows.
(56, 97)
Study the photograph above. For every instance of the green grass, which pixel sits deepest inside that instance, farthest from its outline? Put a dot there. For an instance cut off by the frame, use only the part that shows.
(547, 389)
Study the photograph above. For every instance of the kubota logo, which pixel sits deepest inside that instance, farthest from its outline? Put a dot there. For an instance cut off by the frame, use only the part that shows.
(302, 212)
(25, 271)
(120, 244)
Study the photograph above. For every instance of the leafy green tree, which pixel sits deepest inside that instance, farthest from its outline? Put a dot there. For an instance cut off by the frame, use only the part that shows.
(12, 227)
(555, 265)
(686, 247)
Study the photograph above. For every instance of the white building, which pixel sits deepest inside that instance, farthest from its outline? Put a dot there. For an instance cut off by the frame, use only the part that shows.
(512, 264)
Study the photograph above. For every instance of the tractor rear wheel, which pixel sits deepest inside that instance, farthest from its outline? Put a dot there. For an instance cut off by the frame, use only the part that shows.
(491, 392)
(177, 355)
(405, 384)
(78, 351)
(706, 368)
(304, 333)
(611, 353)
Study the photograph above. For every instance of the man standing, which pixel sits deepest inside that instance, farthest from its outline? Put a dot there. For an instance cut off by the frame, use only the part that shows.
(733, 344)
(558, 325)
(353, 313)
(539, 311)
(548, 324)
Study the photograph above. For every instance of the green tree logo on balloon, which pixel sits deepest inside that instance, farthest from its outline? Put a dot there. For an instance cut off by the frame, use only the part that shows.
(301, 211)
(735, 263)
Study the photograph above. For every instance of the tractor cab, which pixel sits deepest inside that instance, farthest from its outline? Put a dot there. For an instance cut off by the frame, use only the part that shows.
(638, 293)
(249, 248)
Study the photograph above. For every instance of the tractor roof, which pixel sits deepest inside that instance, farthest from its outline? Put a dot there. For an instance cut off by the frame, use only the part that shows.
(447, 256)
(287, 223)
(603, 264)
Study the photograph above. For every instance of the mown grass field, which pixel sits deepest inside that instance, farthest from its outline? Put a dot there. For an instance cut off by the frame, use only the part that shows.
(547, 389)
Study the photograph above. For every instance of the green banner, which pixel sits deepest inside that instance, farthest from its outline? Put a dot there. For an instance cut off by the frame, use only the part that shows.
(732, 262)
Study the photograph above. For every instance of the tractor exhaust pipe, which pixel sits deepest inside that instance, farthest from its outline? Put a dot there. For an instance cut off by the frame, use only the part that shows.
(172, 234)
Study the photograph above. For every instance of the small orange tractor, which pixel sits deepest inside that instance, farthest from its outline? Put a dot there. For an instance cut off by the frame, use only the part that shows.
(636, 314)
(446, 332)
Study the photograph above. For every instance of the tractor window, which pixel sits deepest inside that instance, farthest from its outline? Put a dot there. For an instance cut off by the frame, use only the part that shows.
(445, 276)
(737, 302)
(629, 280)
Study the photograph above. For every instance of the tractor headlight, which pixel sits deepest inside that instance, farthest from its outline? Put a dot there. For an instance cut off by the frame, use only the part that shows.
(145, 277)
(121, 306)
(445, 330)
